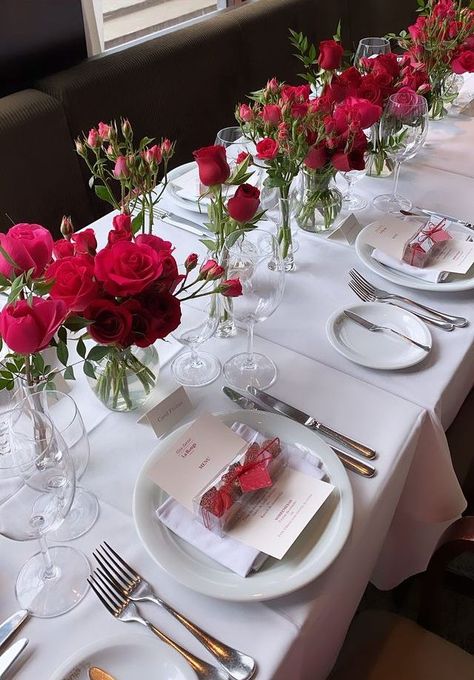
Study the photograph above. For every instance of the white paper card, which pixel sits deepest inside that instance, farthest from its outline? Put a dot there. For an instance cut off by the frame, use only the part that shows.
(168, 412)
(273, 518)
(186, 467)
(347, 231)
(391, 235)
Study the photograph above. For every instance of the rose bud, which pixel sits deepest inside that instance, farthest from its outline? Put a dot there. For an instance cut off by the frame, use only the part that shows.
(191, 262)
(271, 113)
(245, 113)
(126, 128)
(272, 85)
(67, 227)
(167, 148)
(212, 165)
(153, 155)
(244, 204)
(330, 55)
(85, 242)
(93, 138)
(80, 148)
(104, 131)
(215, 273)
(243, 155)
(27, 326)
(63, 248)
(206, 267)
(121, 170)
(230, 288)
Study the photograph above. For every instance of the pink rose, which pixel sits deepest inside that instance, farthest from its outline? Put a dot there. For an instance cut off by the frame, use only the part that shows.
(464, 62)
(156, 242)
(167, 148)
(121, 170)
(74, 281)
(127, 268)
(28, 326)
(93, 138)
(271, 113)
(104, 131)
(245, 113)
(230, 288)
(30, 246)
(153, 155)
(85, 242)
(122, 230)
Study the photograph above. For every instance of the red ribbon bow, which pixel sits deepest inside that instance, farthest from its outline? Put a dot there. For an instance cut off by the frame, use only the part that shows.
(425, 234)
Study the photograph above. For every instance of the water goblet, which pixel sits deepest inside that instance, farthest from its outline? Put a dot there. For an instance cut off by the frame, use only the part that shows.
(195, 368)
(403, 128)
(369, 48)
(36, 493)
(351, 201)
(254, 258)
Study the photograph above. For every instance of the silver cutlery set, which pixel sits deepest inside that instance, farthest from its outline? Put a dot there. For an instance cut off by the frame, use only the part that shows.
(11, 654)
(119, 587)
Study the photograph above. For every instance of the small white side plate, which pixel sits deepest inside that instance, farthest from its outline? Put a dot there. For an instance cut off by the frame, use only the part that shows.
(382, 350)
(130, 657)
(193, 206)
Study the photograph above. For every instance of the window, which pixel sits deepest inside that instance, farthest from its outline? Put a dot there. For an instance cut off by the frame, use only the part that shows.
(127, 20)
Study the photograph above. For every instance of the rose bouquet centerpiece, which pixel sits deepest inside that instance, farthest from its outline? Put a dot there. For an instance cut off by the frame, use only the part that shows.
(241, 211)
(131, 178)
(318, 136)
(441, 41)
(123, 297)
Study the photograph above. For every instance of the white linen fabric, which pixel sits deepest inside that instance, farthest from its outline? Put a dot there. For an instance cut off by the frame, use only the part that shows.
(405, 268)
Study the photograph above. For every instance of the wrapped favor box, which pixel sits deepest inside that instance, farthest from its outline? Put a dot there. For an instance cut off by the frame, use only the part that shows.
(424, 243)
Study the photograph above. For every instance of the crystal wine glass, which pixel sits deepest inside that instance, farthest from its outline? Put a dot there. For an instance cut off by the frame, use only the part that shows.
(369, 48)
(351, 201)
(194, 368)
(403, 128)
(232, 139)
(254, 258)
(66, 418)
(36, 493)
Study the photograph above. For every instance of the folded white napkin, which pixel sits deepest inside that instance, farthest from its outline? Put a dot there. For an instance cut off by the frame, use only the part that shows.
(229, 552)
(422, 273)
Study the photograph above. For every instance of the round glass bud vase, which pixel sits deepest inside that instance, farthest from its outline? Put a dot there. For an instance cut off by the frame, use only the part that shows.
(444, 91)
(284, 234)
(319, 202)
(124, 378)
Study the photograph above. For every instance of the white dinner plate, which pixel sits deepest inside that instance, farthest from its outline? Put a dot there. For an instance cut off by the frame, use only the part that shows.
(194, 206)
(128, 657)
(454, 284)
(309, 556)
(383, 350)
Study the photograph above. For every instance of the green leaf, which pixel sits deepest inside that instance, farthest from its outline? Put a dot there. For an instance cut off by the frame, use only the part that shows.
(88, 369)
(104, 194)
(137, 223)
(98, 352)
(209, 244)
(62, 334)
(81, 348)
(16, 288)
(8, 257)
(63, 353)
(76, 323)
(69, 373)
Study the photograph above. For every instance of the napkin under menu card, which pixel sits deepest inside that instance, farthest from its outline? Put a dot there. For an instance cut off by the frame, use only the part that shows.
(272, 518)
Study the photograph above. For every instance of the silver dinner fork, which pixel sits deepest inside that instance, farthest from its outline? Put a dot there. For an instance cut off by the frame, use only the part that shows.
(379, 295)
(124, 609)
(128, 582)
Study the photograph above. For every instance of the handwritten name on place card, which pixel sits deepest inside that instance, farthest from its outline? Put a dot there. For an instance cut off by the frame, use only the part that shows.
(191, 462)
(168, 412)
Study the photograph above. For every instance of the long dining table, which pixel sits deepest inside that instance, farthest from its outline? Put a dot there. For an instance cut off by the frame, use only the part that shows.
(399, 514)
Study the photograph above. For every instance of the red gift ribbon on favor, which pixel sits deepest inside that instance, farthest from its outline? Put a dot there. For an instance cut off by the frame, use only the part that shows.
(423, 236)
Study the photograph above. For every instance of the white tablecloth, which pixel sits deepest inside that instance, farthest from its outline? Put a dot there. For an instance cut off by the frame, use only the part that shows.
(398, 515)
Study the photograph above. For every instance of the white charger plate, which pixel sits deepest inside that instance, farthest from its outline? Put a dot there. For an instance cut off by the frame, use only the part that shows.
(315, 549)
(382, 350)
(194, 206)
(131, 657)
(364, 252)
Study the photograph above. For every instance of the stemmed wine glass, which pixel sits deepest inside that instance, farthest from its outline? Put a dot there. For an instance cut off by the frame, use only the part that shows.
(232, 139)
(403, 128)
(36, 493)
(351, 201)
(369, 48)
(195, 368)
(254, 258)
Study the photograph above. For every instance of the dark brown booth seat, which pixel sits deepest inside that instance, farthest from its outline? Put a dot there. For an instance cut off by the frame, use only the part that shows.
(40, 178)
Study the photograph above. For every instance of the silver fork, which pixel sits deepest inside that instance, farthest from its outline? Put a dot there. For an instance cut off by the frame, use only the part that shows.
(368, 297)
(383, 296)
(122, 577)
(123, 609)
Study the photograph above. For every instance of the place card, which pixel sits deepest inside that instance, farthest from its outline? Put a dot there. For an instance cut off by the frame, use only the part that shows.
(191, 462)
(272, 519)
(347, 231)
(168, 412)
(391, 235)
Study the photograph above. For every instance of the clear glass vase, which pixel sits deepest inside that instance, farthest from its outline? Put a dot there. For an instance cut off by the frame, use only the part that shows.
(378, 164)
(444, 91)
(284, 235)
(318, 204)
(125, 378)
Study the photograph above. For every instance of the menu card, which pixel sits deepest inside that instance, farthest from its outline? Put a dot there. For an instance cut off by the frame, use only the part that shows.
(269, 520)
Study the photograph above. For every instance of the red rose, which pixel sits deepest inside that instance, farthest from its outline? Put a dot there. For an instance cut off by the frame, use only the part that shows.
(464, 62)
(74, 281)
(85, 242)
(294, 93)
(344, 162)
(330, 55)
(231, 288)
(28, 326)
(165, 310)
(407, 101)
(30, 246)
(170, 276)
(267, 149)
(127, 268)
(141, 331)
(369, 89)
(112, 322)
(212, 165)
(158, 244)
(350, 79)
(299, 110)
(242, 156)
(271, 113)
(63, 248)
(245, 113)
(191, 262)
(244, 204)
(388, 63)
(122, 230)
(356, 110)
(317, 158)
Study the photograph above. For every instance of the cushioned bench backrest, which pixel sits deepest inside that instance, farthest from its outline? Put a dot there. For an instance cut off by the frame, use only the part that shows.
(40, 178)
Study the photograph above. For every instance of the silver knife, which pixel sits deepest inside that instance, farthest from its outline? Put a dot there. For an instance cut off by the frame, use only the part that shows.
(182, 223)
(350, 462)
(8, 627)
(312, 423)
(436, 213)
(10, 655)
(374, 328)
